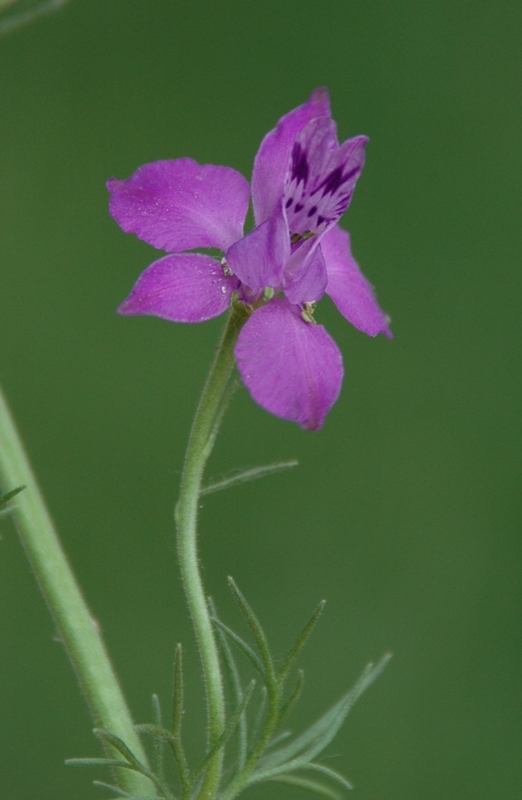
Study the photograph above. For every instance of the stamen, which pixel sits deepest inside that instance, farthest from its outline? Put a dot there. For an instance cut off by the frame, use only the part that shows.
(307, 312)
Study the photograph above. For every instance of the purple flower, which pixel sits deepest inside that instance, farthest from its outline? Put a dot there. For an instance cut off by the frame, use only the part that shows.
(303, 181)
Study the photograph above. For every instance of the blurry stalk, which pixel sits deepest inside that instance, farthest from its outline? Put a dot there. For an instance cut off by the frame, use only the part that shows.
(78, 630)
(209, 414)
(22, 12)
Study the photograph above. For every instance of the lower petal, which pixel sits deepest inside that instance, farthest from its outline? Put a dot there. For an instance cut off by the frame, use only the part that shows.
(348, 288)
(292, 368)
(185, 287)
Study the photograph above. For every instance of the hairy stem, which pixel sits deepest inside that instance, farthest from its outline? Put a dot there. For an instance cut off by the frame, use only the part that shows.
(200, 443)
(77, 628)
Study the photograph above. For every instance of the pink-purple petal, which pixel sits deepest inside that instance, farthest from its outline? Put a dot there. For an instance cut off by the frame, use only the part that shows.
(292, 368)
(186, 287)
(271, 162)
(347, 286)
(258, 259)
(305, 274)
(321, 176)
(180, 204)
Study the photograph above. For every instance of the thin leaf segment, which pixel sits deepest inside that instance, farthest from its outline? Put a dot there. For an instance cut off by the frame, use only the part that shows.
(259, 759)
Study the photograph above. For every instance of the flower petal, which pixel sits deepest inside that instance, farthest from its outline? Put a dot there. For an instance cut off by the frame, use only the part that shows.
(305, 274)
(321, 177)
(186, 287)
(348, 288)
(292, 368)
(271, 162)
(259, 258)
(181, 205)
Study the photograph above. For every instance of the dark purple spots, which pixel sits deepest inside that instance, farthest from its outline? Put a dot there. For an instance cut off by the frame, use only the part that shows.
(289, 202)
(312, 211)
(300, 168)
(333, 182)
(351, 174)
(320, 220)
(298, 207)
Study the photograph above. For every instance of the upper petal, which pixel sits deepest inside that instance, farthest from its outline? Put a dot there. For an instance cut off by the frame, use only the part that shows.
(292, 368)
(181, 205)
(186, 287)
(259, 258)
(271, 162)
(321, 177)
(347, 286)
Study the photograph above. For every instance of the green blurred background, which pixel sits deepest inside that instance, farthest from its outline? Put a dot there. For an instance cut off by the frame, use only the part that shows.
(404, 512)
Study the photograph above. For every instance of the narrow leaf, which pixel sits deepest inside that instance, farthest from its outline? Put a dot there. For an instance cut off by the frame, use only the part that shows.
(158, 744)
(4, 498)
(331, 773)
(97, 762)
(154, 730)
(235, 686)
(120, 746)
(121, 792)
(227, 733)
(278, 739)
(309, 785)
(243, 646)
(258, 632)
(301, 641)
(245, 475)
(133, 762)
(115, 789)
(256, 727)
(287, 707)
(177, 711)
(321, 733)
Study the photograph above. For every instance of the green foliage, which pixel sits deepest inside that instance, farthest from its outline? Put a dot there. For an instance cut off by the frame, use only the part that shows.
(4, 498)
(261, 754)
(245, 475)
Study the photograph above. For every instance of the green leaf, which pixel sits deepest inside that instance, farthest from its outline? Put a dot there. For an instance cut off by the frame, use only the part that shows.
(158, 744)
(256, 727)
(313, 741)
(331, 773)
(242, 645)
(232, 673)
(115, 789)
(121, 793)
(156, 731)
(177, 711)
(287, 707)
(97, 762)
(258, 632)
(132, 762)
(120, 746)
(227, 733)
(278, 739)
(310, 785)
(245, 475)
(301, 641)
(4, 498)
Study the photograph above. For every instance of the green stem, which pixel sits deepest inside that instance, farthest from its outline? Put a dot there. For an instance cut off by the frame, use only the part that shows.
(200, 443)
(77, 628)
